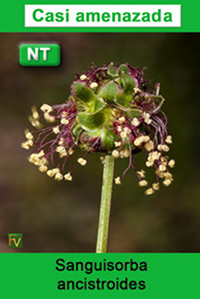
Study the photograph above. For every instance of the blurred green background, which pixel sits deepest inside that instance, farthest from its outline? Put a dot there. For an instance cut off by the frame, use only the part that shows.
(63, 217)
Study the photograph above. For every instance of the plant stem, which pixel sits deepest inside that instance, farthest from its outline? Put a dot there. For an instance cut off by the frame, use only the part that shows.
(104, 216)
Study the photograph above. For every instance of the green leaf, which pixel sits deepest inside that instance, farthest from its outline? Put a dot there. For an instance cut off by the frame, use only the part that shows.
(98, 105)
(86, 136)
(108, 138)
(94, 121)
(83, 93)
(109, 91)
(77, 131)
(122, 69)
(94, 134)
(87, 97)
(158, 100)
(123, 99)
(118, 81)
(134, 113)
(128, 83)
(112, 71)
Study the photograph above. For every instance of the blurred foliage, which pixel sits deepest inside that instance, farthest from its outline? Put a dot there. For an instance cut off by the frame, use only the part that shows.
(63, 217)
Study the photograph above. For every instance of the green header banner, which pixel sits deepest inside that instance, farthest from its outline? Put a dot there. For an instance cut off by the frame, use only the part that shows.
(61, 275)
(101, 16)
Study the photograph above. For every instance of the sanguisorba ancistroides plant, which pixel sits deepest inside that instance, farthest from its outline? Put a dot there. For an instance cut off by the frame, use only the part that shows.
(112, 111)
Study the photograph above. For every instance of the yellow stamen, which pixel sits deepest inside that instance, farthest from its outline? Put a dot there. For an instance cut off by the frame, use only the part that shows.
(143, 183)
(68, 177)
(46, 108)
(64, 121)
(93, 85)
(43, 168)
(171, 163)
(83, 77)
(149, 191)
(82, 161)
(58, 176)
(118, 181)
(115, 154)
(135, 122)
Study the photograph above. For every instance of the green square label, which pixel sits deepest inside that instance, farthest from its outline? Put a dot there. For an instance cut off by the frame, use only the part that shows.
(15, 240)
(39, 55)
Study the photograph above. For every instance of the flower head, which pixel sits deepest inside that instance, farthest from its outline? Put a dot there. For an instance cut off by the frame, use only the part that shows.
(111, 110)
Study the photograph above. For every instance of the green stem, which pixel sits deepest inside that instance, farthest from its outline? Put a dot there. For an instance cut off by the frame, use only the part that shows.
(104, 216)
